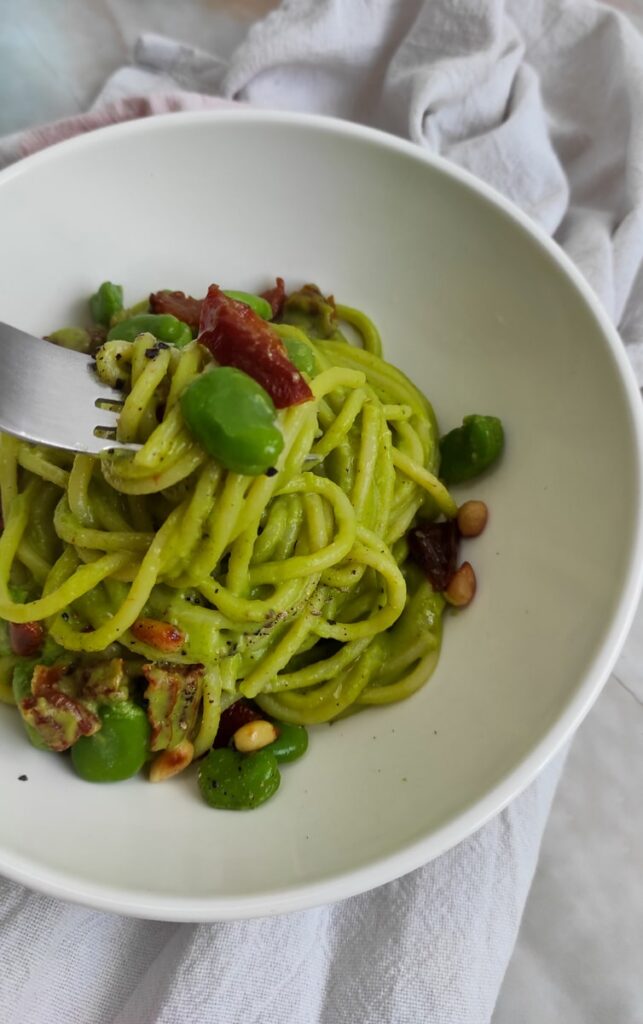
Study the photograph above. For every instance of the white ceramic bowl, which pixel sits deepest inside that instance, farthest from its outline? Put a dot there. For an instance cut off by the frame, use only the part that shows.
(486, 315)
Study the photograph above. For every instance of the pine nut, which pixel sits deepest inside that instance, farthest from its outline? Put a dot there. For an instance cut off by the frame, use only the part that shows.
(254, 736)
(171, 762)
(462, 587)
(472, 518)
(162, 635)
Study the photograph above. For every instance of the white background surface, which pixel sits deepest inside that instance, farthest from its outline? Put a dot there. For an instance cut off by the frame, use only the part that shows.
(580, 950)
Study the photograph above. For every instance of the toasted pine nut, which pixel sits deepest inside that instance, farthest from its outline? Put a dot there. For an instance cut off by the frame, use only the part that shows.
(472, 518)
(462, 587)
(254, 736)
(171, 762)
(162, 635)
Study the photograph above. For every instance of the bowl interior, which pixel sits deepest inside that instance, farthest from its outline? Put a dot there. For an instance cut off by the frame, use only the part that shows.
(484, 319)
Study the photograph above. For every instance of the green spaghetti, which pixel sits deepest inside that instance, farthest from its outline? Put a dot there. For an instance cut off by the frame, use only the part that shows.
(156, 586)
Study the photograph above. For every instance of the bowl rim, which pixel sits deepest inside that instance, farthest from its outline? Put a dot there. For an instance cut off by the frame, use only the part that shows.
(380, 870)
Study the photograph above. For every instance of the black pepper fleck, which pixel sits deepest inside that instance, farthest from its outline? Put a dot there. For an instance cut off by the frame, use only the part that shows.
(23, 778)
(271, 471)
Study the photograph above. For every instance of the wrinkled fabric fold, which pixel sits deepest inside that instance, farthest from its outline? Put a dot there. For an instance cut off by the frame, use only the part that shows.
(433, 945)
(542, 99)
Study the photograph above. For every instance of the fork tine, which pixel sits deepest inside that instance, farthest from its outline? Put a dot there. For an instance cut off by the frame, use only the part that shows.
(49, 395)
(109, 405)
(106, 433)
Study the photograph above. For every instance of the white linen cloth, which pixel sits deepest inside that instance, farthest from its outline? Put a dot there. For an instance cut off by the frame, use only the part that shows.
(544, 100)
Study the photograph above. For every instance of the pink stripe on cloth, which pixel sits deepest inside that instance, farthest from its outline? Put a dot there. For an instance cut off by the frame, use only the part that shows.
(128, 109)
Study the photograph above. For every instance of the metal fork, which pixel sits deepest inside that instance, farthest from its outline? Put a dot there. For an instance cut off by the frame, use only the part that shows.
(53, 396)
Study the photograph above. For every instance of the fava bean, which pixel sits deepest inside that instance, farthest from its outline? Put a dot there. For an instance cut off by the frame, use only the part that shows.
(471, 448)
(126, 314)
(261, 306)
(107, 301)
(236, 782)
(163, 326)
(76, 338)
(232, 418)
(301, 355)
(120, 747)
(291, 743)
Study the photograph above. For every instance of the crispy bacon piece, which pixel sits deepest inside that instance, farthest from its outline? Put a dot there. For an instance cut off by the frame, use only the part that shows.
(276, 296)
(26, 638)
(237, 336)
(162, 635)
(238, 714)
(180, 305)
(434, 547)
(59, 718)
